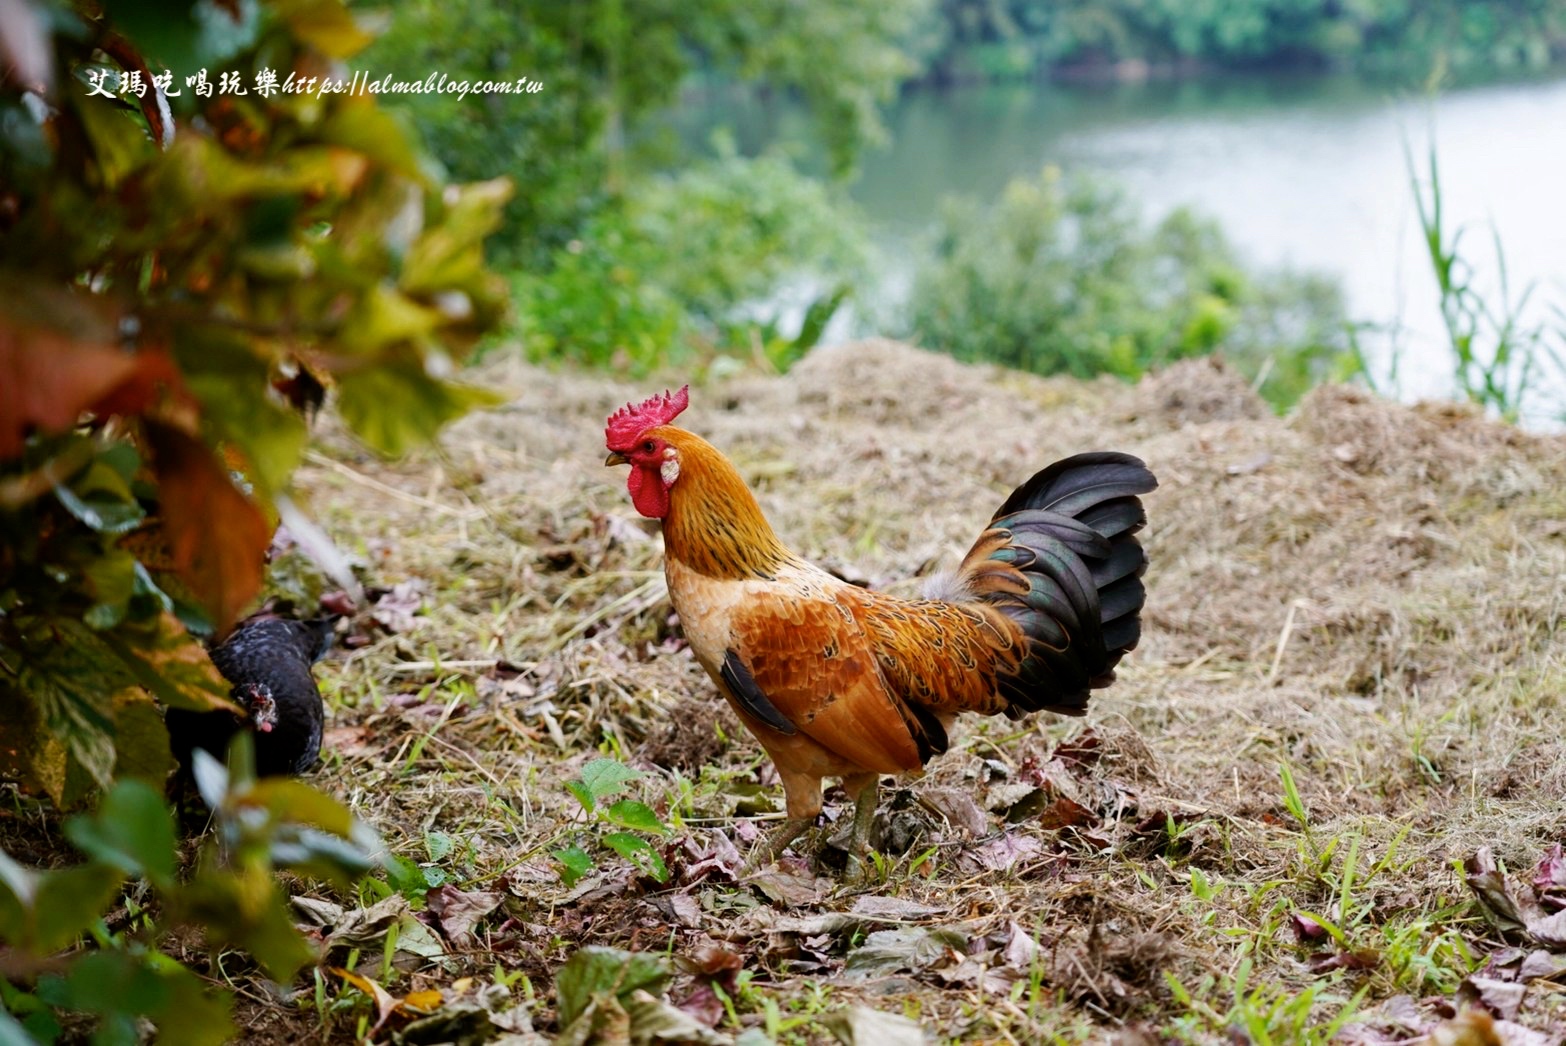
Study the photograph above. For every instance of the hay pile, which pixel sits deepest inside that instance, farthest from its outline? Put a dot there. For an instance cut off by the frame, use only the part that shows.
(1368, 592)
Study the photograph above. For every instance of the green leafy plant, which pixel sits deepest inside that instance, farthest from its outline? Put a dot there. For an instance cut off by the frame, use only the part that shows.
(183, 281)
(1059, 276)
(233, 896)
(622, 826)
(695, 266)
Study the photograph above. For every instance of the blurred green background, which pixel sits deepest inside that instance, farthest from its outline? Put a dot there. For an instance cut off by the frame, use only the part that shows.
(1064, 187)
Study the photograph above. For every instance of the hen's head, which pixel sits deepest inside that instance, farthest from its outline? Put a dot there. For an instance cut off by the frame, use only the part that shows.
(260, 705)
(633, 439)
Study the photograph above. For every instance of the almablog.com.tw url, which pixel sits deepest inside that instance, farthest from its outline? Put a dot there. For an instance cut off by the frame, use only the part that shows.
(266, 83)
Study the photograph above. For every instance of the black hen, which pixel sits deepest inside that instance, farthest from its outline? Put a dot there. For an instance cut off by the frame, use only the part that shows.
(267, 659)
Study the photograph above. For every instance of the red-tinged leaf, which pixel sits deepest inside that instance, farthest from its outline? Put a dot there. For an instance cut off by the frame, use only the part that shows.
(1306, 929)
(1067, 813)
(1490, 890)
(1001, 853)
(48, 379)
(217, 536)
(1081, 751)
(339, 602)
(711, 959)
(702, 1005)
(1500, 998)
(1361, 960)
(1550, 878)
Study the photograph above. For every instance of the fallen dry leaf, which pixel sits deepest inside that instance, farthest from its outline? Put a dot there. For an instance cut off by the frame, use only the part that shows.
(458, 911)
(1000, 853)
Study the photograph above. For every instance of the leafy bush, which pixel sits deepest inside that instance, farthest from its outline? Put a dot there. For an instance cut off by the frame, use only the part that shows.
(1059, 276)
(182, 299)
(679, 269)
(179, 274)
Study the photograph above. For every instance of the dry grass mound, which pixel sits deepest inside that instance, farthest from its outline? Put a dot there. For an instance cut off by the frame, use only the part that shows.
(1365, 593)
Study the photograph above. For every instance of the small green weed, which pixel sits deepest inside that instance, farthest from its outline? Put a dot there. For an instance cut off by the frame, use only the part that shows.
(621, 826)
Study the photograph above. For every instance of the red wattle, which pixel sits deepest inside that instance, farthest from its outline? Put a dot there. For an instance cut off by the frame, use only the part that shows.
(648, 493)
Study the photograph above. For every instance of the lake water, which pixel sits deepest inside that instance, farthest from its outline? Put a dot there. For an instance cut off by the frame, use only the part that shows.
(1301, 171)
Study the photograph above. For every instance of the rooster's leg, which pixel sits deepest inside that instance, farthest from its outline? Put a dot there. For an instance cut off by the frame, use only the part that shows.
(774, 845)
(863, 789)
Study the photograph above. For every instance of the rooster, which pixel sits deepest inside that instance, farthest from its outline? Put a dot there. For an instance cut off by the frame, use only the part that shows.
(839, 681)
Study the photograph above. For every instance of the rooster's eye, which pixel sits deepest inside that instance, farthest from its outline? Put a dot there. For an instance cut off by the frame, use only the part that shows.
(648, 446)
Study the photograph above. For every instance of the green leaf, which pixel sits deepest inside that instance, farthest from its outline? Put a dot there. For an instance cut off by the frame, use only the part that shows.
(291, 800)
(383, 317)
(584, 795)
(407, 878)
(639, 852)
(44, 911)
(72, 681)
(594, 970)
(38, 1026)
(398, 405)
(234, 386)
(111, 578)
(605, 777)
(244, 907)
(117, 985)
(438, 845)
(628, 813)
(101, 498)
(451, 254)
(575, 863)
(321, 855)
(168, 661)
(132, 831)
(211, 778)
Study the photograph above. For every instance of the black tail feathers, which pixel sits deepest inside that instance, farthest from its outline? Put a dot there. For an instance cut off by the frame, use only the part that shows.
(1070, 534)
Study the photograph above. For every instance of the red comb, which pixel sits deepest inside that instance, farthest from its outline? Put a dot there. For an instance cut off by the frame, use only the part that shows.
(629, 422)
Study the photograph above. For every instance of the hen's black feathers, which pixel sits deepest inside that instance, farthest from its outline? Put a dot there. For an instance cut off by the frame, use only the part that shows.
(273, 655)
(1070, 532)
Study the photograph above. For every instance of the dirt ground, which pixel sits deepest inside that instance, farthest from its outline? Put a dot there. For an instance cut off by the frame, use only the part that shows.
(1345, 689)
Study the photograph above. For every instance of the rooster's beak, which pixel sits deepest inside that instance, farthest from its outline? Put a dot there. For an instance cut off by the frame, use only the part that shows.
(616, 458)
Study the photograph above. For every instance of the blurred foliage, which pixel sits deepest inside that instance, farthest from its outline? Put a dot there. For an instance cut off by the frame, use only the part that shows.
(607, 66)
(1060, 276)
(183, 275)
(233, 897)
(964, 40)
(693, 266)
(179, 276)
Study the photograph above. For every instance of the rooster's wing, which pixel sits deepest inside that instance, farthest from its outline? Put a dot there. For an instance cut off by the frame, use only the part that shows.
(869, 677)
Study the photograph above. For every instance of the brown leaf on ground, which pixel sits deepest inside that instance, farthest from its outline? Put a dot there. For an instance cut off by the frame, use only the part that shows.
(458, 911)
(956, 805)
(394, 610)
(1000, 853)
(1499, 998)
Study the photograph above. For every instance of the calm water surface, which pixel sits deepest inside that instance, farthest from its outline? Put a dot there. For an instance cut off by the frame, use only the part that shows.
(1308, 172)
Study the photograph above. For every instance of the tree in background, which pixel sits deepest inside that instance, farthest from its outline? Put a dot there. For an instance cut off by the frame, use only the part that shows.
(608, 66)
(1023, 39)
